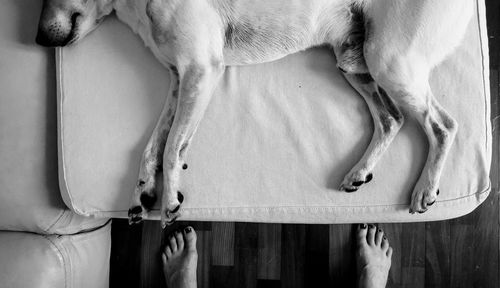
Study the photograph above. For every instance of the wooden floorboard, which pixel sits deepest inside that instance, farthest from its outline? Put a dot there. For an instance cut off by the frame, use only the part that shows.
(437, 254)
(293, 256)
(269, 252)
(462, 252)
(341, 249)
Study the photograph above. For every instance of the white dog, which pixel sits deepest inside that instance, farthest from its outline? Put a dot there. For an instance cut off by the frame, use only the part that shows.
(385, 48)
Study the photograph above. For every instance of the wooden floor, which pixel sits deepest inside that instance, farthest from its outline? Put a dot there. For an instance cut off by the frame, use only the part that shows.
(458, 253)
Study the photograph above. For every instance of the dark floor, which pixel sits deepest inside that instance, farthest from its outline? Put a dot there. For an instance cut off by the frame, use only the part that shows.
(458, 253)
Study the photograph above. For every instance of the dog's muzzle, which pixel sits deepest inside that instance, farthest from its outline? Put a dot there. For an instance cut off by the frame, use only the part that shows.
(56, 33)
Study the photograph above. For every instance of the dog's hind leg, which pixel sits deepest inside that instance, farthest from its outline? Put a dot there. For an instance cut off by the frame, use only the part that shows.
(406, 79)
(146, 189)
(197, 82)
(441, 129)
(387, 120)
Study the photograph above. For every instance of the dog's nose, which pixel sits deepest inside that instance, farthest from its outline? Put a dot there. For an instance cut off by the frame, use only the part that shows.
(56, 29)
(43, 40)
(51, 37)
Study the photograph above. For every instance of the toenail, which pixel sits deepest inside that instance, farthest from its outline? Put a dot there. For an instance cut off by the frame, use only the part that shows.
(141, 182)
(185, 166)
(369, 178)
(180, 197)
(385, 238)
(351, 190)
(188, 229)
(437, 193)
(432, 203)
(379, 230)
(363, 226)
(358, 183)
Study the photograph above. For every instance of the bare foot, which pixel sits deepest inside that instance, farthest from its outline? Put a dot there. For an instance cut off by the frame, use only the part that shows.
(180, 259)
(373, 257)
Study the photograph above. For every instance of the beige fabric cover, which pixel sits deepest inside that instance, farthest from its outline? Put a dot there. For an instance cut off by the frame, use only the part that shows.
(276, 141)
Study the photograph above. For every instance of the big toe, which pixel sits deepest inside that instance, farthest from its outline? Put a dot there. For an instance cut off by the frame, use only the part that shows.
(361, 233)
(189, 238)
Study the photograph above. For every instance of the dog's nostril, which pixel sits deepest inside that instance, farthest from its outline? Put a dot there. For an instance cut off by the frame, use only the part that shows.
(74, 17)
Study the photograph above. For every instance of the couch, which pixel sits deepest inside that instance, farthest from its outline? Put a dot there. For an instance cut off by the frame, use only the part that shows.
(42, 242)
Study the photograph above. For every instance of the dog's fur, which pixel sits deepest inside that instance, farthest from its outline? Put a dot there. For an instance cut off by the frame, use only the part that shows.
(378, 44)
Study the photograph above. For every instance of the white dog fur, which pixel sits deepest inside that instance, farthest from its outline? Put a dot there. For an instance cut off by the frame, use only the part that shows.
(385, 48)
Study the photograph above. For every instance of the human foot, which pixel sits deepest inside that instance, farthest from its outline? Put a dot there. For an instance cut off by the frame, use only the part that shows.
(180, 259)
(373, 256)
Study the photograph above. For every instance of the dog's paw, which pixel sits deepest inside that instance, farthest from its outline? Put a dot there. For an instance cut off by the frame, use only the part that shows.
(143, 200)
(354, 180)
(136, 214)
(422, 199)
(171, 211)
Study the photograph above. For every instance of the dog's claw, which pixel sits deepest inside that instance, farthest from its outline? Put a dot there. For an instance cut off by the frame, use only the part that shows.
(358, 183)
(176, 209)
(134, 210)
(135, 220)
(369, 178)
(180, 197)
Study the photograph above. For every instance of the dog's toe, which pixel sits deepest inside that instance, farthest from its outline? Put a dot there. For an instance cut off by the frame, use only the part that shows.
(422, 199)
(135, 210)
(135, 215)
(350, 190)
(170, 212)
(169, 219)
(354, 180)
(135, 220)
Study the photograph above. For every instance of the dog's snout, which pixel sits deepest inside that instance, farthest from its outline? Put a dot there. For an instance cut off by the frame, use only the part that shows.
(56, 30)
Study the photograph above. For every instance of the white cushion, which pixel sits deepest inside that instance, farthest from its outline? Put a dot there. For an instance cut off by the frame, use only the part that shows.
(29, 193)
(29, 260)
(276, 141)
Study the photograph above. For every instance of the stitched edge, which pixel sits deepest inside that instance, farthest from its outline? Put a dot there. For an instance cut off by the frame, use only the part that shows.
(61, 257)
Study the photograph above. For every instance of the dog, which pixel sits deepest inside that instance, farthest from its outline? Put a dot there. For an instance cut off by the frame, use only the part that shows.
(385, 49)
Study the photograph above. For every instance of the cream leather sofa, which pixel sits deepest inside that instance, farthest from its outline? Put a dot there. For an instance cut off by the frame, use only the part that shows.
(42, 242)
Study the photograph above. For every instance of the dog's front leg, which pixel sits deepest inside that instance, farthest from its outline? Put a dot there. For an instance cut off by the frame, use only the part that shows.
(197, 82)
(146, 189)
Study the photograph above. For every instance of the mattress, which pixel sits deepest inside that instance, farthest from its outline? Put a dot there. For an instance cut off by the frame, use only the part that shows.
(275, 142)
